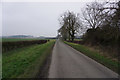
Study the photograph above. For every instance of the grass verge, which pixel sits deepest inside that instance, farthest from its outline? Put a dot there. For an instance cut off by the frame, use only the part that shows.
(114, 65)
(25, 62)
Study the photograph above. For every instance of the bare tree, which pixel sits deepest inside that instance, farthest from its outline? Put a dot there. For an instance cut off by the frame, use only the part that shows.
(63, 32)
(93, 16)
(104, 19)
(69, 24)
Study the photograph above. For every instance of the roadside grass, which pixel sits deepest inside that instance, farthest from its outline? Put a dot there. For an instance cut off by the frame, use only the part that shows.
(114, 65)
(25, 62)
(0, 39)
(0, 59)
(0, 65)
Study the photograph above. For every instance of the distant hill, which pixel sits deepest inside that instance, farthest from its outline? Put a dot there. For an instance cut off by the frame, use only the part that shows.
(42, 37)
(18, 36)
(51, 37)
(28, 36)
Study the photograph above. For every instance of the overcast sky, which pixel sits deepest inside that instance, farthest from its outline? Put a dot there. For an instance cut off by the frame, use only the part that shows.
(35, 18)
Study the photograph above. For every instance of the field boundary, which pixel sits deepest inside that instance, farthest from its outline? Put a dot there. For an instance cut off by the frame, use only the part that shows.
(7, 46)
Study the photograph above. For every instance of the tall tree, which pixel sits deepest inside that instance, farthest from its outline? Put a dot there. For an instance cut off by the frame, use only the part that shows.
(93, 16)
(69, 24)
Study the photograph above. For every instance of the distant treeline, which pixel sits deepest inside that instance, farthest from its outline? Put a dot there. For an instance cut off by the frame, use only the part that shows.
(6, 46)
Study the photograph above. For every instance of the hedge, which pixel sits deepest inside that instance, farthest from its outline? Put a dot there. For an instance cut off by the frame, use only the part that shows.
(6, 46)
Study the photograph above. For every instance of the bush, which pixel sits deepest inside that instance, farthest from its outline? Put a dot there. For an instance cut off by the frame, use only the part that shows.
(106, 36)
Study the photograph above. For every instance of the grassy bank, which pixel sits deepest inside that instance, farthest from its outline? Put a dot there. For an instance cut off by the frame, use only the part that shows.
(25, 62)
(96, 56)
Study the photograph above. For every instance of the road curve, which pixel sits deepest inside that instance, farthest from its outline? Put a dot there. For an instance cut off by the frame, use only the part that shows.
(69, 63)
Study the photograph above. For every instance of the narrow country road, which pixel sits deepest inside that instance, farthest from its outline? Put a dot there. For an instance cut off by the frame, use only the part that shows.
(69, 63)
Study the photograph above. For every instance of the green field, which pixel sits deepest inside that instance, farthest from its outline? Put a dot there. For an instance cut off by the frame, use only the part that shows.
(25, 62)
(17, 39)
(114, 65)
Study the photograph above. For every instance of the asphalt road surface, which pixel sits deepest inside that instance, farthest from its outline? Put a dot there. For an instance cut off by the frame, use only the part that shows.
(69, 63)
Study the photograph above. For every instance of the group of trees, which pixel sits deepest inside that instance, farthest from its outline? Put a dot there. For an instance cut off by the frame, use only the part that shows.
(100, 20)
(104, 23)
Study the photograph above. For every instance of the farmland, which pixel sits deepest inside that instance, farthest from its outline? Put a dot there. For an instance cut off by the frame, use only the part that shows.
(18, 39)
(25, 62)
